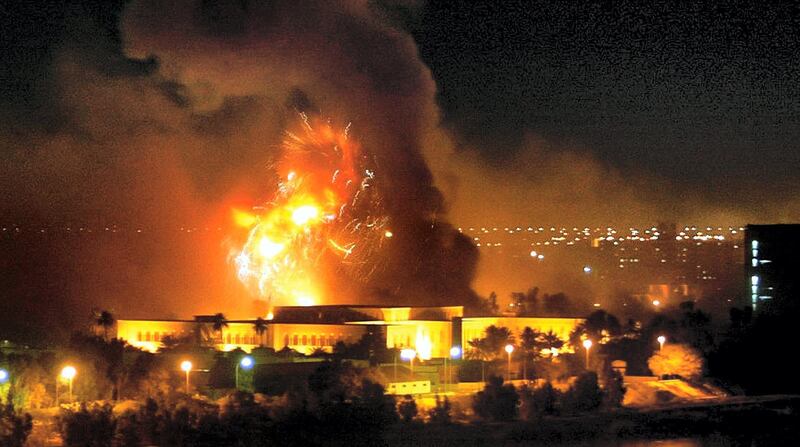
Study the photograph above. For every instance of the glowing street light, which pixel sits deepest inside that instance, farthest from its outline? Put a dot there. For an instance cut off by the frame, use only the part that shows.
(409, 354)
(68, 373)
(509, 349)
(587, 344)
(3, 376)
(455, 353)
(246, 363)
(186, 366)
(661, 340)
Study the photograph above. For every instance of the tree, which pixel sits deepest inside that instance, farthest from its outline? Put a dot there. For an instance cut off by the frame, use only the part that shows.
(551, 340)
(441, 413)
(260, 326)
(537, 402)
(219, 322)
(531, 343)
(105, 321)
(585, 394)
(497, 338)
(93, 426)
(407, 408)
(14, 428)
(490, 347)
(600, 327)
(497, 402)
(526, 304)
(677, 359)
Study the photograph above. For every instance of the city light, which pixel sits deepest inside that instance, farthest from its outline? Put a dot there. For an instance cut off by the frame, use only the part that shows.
(509, 349)
(587, 344)
(455, 352)
(68, 373)
(661, 340)
(408, 354)
(3, 376)
(186, 366)
(587, 269)
(246, 363)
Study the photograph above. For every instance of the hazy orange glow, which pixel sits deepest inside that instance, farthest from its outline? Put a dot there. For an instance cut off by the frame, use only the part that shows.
(324, 205)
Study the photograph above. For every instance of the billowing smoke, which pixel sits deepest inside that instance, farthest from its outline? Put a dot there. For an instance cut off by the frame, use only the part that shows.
(168, 118)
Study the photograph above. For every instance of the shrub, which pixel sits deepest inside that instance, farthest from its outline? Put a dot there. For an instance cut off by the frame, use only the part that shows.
(93, 426)
(676, 359)
(407, 408)
(14, 428)
(442, 412)
(497, 402)
(584, 395)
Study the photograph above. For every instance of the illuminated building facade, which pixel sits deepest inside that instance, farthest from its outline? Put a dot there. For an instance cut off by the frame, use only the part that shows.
(430, 331)
(771, 272)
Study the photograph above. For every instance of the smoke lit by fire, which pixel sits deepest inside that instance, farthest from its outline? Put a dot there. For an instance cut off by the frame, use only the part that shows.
(325, 218)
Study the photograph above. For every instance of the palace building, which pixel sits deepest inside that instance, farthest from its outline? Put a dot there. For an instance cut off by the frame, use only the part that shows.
(431, 331)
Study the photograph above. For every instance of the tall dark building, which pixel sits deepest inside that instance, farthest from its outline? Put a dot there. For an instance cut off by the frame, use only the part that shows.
(772, 265)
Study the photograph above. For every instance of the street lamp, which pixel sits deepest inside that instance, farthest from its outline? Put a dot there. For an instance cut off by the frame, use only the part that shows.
(509, 349)
(409, 354)
(661, 340)
(455, 353)
(246, 363)
(3, 376)
(186, 366)
(68, 373)
(587, 344)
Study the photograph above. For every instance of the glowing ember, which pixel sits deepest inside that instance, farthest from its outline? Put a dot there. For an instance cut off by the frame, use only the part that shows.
(325, 219)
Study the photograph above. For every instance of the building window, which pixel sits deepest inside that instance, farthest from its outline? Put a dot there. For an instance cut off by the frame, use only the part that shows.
(157, 336)
(294, 339)
(238, 339)
(305, 340)
(286, 340)
(139, 336)
(147, 336)
(313, 340)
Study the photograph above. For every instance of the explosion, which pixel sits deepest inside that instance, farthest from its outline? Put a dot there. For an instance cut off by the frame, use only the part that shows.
(325, 219)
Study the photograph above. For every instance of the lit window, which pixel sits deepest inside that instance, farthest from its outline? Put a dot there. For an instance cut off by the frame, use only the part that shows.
(755, 262)
(313, 340)
(754, 280)
(754, 245)
(755, 253)
(295, 339)
(305, 340)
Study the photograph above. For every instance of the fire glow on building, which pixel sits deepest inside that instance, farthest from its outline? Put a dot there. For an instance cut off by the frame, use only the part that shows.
(325, 218)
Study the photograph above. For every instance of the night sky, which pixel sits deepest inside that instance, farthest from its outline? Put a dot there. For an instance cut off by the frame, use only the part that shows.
(688, 91)
(160, 117)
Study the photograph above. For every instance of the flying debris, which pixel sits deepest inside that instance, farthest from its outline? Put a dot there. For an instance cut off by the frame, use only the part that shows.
(325, 218)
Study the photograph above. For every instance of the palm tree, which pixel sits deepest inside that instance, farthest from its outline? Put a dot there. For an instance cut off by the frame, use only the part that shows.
(479, 351)
(260, 325)
(552, 340)
(496, 339)
(530, 343)
(105, 321)
(219, 322)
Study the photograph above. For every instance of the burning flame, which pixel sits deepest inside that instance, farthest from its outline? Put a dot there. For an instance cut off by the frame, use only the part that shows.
(325, 216)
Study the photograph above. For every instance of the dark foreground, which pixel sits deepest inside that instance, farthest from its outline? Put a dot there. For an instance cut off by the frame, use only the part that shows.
(775, 422)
